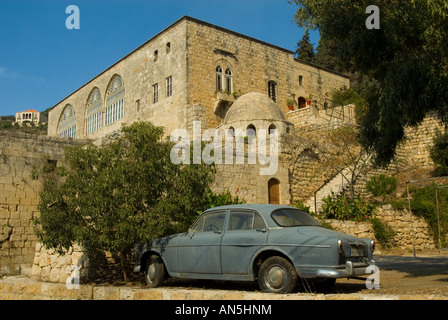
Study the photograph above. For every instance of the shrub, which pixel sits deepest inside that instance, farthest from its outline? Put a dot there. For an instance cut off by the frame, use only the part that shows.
(439, 154)
(345, 208)
(381, 185)
(383, 232)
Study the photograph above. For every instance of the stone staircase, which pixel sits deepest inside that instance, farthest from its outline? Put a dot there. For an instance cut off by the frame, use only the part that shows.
(337, 184)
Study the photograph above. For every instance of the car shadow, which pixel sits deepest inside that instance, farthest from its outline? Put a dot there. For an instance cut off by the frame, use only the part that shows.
(414, 266)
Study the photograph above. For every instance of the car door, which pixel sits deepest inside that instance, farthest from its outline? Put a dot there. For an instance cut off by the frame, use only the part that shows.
(246, 233)
(200, 249)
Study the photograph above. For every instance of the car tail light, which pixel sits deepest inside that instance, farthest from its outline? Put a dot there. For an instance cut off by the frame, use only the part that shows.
(340, 246)
(372, 244)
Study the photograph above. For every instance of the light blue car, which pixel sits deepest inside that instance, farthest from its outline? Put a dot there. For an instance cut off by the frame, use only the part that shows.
(274, 244)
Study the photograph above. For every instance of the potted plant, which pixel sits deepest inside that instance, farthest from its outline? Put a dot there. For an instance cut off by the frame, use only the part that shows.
(308, 101)
(290, 104)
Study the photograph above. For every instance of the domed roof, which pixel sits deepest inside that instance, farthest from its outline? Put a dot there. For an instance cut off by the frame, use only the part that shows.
(254, 106)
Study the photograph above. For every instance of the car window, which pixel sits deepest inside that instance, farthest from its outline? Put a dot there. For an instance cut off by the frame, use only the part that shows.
(245, 221)
(293, 218)
(213, 221)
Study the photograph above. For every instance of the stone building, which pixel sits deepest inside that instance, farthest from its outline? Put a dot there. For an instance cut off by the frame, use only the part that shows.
(30, 116)
(190, 63)
(195, 71)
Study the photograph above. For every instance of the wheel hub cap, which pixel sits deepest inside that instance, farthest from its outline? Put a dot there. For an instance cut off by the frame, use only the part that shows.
(275, 277)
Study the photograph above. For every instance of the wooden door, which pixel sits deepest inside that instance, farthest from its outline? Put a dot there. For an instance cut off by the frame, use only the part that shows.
(274, 191)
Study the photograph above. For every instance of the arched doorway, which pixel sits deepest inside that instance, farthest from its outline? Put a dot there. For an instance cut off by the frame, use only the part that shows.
(274, 191)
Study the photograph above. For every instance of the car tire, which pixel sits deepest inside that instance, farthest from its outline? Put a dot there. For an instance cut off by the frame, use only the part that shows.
(155, 271)
(277, 275)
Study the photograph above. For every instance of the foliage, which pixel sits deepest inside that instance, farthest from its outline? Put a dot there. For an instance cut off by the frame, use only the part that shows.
(424, 204)
(345, 96)
(305, 50)
(383, 232)
(343, 207)
(381, 185)
(439, 154)
(212, 200)
(300, 205)
(403, 64)
(110, 197)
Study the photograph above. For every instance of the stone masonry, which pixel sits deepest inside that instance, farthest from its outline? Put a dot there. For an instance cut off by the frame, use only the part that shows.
(19, 195)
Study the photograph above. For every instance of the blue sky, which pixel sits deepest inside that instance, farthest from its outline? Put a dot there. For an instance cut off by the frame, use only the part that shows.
(42, 62)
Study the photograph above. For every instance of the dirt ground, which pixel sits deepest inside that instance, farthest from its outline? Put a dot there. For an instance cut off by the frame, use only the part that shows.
(400, 273)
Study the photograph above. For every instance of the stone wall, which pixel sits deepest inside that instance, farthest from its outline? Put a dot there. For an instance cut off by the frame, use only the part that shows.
(19, 195)
(407, 234)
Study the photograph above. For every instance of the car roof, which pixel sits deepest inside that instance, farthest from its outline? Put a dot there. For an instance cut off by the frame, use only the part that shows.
(264, 209)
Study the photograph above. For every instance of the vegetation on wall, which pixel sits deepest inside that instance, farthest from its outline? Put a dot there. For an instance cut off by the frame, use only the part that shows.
(439, 153)
(381, 185)
(343, 207)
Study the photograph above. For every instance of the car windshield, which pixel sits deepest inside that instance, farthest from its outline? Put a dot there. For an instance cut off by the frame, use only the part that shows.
(293, 218)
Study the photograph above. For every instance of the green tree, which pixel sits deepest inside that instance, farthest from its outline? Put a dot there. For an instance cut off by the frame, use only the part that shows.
(405, 61)
(108, 198)
(305, 50)
(439, 154)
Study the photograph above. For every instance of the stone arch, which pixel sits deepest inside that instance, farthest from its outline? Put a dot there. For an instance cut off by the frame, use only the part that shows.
(115, 102)
(67, 123)
(94, 112)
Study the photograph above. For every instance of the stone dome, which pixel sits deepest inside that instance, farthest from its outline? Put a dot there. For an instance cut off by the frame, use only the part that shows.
(254, 106)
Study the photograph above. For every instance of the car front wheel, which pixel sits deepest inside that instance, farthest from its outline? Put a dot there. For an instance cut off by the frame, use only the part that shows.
(155, 270)
(277, 275)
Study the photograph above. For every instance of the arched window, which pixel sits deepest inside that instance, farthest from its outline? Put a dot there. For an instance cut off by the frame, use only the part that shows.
(251, 131)
(94, 112)
(228, 81)
(67, 123)
(115, 101)
(272, 128)
(302, 102)
(272, 90)
(274, 191)
(218, 78)
(301, 81)
(168, 47)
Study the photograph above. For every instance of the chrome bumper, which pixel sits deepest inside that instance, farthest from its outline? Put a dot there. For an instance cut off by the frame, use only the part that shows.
(349, 270)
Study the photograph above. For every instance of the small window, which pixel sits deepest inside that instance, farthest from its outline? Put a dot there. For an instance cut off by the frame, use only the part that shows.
(300, 80)
(251, 131)
(272, 128)
(213, 221)
(156, 55)
(272, 90)
(168, 47)
(218, 78)
(155, 92)
(137, 105)
(229, 81)
(169, 86)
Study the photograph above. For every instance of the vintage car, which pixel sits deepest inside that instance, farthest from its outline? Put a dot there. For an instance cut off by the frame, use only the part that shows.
(274, 244)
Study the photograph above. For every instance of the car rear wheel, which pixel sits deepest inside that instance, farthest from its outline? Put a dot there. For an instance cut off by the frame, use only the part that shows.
(277, 275)
(155, 271)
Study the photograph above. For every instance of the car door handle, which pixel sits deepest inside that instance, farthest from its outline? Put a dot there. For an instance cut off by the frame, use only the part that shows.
(261, 230)
(217, 231)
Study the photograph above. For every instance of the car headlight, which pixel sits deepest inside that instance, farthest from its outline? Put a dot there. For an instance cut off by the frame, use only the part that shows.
(340, 246)
(372, 245)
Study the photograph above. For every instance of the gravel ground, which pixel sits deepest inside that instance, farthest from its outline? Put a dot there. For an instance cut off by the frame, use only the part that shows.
(400, 273)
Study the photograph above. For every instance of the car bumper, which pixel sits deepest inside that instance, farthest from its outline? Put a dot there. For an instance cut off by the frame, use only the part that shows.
(350, 269)
(347, 270)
